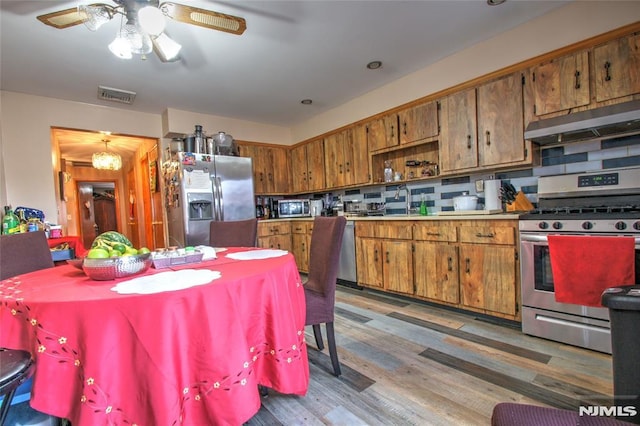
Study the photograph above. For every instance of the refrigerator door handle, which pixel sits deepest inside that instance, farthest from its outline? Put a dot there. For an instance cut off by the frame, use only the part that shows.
(220, 199)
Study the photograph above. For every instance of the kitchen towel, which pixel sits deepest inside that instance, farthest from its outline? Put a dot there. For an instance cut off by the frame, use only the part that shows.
(584, 266)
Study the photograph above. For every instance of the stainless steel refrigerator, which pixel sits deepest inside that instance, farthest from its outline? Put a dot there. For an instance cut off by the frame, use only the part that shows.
(201, 188)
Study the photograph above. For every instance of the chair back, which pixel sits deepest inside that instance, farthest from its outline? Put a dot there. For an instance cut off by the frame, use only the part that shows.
(324, 258)
(23, 253)
(236, 233)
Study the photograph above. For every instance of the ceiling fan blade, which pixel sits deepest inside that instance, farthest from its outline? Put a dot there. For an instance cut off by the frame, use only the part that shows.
(204, 18)
(62, 18)
(68, 17)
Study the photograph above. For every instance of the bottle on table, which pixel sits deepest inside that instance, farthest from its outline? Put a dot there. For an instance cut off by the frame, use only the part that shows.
(10, 222)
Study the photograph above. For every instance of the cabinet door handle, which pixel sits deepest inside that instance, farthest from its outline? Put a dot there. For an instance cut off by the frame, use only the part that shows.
(393, 133)
(489, 235)
(488, 137)
(375, 255)
(467, 262)
(340, 167)
(450, 263)
(387, 257)
(433, 234)
(309, 176)
(607, 66)
(304, 176)
(261, 178)
(468, 141)
(405, 128)
(577, 74)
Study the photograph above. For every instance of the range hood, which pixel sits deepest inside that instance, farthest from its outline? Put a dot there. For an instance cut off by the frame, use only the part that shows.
(605, 121)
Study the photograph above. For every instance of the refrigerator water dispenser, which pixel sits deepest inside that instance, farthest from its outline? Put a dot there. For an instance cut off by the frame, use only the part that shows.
(200, 206)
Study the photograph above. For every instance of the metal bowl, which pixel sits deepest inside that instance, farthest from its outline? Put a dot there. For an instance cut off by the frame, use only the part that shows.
(77, 262)
(116, 267)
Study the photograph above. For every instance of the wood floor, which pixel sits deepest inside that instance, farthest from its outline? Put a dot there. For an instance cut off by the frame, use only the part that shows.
(407, 363)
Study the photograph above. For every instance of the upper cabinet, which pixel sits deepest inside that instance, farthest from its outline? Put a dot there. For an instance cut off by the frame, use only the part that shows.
(484, 127)
(459, 147)
(500, 122)
(346, 157)
(418, 122)
(307, 167)
(270, 168)
(383, 132)
(617, 68)
(561, 83)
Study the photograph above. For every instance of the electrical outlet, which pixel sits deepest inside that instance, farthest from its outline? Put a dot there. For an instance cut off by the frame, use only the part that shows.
(479, 185)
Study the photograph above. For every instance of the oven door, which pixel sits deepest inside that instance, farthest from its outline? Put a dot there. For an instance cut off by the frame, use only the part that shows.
(542, 316)
(537, 278)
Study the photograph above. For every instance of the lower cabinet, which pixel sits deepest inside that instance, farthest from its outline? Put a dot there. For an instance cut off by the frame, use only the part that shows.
(471, 265)
(274, 235)
(301, 243)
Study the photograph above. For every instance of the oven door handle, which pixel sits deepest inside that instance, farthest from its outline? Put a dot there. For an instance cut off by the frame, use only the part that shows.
(535, 238)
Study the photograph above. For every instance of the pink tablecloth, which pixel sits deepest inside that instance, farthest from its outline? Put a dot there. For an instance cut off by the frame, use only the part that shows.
(192, 356)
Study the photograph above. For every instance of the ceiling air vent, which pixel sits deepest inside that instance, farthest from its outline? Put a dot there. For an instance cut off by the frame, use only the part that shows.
(116, 95)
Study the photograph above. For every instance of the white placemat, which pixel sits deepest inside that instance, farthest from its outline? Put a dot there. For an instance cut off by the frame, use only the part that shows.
(220, 249)
(257, 254)
(166, 281)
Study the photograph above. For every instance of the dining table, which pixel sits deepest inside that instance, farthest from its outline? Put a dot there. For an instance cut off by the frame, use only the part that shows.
(184, 345)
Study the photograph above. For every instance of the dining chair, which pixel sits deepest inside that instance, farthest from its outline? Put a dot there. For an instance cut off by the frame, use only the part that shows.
(22, 253)
(320, 287)
(19, 254)
(233, 233)
(511, 413)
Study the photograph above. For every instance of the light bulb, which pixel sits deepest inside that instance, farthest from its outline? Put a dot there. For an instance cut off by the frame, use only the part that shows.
(121, 47)
(151, 20)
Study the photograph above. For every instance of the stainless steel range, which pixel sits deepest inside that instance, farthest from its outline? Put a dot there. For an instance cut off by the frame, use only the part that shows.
(597, 204)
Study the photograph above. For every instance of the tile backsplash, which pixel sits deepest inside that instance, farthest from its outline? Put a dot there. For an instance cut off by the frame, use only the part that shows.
(587, 156)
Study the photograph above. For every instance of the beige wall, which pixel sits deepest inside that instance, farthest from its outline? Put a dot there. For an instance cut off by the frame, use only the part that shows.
(26, 164)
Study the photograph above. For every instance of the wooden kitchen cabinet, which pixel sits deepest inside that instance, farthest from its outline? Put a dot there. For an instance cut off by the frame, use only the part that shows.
(307, 167)
(561, 84)
(270, 168)
(301, 243)
(418, 122)
(346, 158)
(617, 65)
(488, 259)
(383, 132)
(484, 127)
(436, 261)
(384, 256)
(459, 146)
(274, 235)
(500, 122)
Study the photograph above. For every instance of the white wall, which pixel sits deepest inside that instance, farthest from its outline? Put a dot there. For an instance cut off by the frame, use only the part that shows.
(26, 165)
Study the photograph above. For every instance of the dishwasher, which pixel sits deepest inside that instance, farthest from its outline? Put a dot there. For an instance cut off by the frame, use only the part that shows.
(347, 265)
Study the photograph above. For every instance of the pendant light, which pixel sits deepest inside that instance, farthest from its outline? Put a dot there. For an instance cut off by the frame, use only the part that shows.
(106, 160)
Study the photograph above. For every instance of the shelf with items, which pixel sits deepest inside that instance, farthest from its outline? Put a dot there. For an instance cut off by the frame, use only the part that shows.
(413, 163)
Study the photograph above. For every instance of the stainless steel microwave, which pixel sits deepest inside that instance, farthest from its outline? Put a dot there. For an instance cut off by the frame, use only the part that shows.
(294, 208)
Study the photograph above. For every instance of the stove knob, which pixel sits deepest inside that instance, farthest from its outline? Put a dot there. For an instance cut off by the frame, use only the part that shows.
(543, 225)
(557, 225)
(620, 226)
(587, 225)
(636, 226)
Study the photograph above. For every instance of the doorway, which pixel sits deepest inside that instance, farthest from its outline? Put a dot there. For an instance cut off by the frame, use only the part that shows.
(98, 207)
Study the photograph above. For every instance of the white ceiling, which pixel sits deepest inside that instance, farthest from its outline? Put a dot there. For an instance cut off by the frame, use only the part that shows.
(291, 50)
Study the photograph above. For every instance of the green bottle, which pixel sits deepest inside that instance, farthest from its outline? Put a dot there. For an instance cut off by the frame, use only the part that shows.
(424, 211)
(10, 222)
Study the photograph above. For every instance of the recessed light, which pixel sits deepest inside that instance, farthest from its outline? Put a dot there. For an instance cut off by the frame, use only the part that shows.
(306, 102)
(374, 65)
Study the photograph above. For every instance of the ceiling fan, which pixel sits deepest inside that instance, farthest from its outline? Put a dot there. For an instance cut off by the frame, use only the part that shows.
(142, 24)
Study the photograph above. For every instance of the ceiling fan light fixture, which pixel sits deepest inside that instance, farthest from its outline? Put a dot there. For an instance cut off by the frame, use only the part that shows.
(166, 48)
(94, 16)
(151, 20)
(120, 47)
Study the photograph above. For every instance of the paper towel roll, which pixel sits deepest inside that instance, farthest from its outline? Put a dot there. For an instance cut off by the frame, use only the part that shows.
(492, 199)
